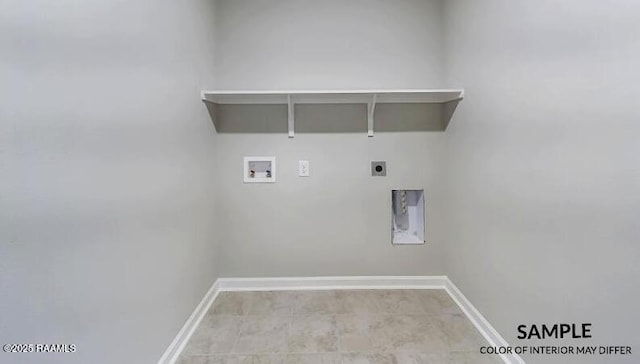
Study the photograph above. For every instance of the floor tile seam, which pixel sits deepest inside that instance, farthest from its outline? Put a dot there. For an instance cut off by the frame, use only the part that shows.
(289, 327)
(338, 332)
(237, 336)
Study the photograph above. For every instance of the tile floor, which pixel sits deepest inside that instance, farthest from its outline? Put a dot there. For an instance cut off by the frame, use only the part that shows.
(329, 327)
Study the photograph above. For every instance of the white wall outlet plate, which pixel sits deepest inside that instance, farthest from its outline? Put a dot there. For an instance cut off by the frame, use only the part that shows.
(303, 168)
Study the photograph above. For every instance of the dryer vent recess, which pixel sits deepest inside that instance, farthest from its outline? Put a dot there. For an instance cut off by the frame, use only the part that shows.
(407, 217)
(379, 168)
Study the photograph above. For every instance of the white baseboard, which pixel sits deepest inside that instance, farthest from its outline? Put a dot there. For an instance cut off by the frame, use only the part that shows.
(324, 283)
(485, 328)
(177, 345)
(333, 283)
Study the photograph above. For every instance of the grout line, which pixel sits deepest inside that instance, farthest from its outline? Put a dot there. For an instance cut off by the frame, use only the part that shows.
(290, 322)
(238, 330)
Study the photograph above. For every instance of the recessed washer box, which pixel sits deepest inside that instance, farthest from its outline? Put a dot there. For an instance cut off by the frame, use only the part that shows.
(407, 217)
(259, 169)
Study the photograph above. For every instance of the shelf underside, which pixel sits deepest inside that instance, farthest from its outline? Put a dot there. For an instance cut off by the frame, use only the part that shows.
(331, 111)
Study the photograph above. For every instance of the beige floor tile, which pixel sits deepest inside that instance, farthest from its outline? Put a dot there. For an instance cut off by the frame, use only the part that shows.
(215, 334)
(419, 358)
(409, 333)
(273, 303)
(437, 301)
(369, 358)
(359, 302)
(460, 332)
(331, 327)
(262, 334)
(199, 359)
(313, 334)
(474, 357)
(401, 302)
(333, 358)
(232, 303)
(356, 333)
(391, 333)
(232, 359)
(318, 302)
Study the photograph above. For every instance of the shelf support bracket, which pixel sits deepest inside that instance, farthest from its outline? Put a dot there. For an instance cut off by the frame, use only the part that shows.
(371, 108)
(291, 116)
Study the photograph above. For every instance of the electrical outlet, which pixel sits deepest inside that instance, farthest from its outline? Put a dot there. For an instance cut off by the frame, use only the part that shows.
(303, 168)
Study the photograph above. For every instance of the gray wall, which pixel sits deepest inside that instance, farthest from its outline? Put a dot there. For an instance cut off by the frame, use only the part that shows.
(106, 206)
(544, 168)
(331, 44)
(337, 221)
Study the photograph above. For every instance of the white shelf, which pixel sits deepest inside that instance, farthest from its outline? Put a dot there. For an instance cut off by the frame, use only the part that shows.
(437, 96)
(368, 97)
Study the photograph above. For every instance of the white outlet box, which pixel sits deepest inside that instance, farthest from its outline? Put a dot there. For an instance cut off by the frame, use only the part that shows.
(259, 169)
(303, 168)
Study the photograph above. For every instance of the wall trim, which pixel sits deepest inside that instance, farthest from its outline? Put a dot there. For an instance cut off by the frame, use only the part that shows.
(489, 332)
(325, 283)
(177, 345)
